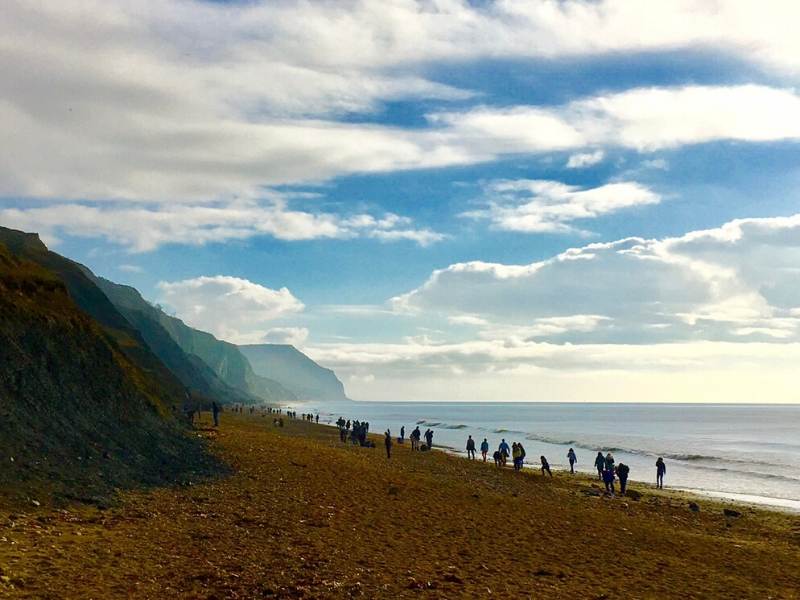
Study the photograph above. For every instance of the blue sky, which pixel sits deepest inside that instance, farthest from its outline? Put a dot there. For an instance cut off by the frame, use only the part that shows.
(393, 186)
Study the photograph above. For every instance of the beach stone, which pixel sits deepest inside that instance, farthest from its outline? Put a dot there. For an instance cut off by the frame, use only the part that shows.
(394, 490)
(729, 512)
(591, 492)
(633, 495)
(694, 507)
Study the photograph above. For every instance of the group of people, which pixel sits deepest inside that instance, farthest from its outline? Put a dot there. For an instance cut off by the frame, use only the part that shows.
(608, 471)
(356, 432)
(310, 417)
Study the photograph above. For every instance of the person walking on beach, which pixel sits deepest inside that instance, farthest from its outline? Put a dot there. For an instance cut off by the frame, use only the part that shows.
(504, 451)
(661, 470)
(545, 466)
(484, 449)
(402, 433)
(608, 479)
(599, 463)
(522, 454)
(388, 443)
(471, 448)
(415, 438)
(609, 462)
(572, 460)
(622, 475)
(515, 454)
(215, 413)
(429, 438)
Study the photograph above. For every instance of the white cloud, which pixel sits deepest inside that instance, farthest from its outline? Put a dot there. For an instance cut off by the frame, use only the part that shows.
(728, 283)
(644, 119)
(233, 309)
(117, 99)
(585, 159)
(539, 206)
(130, 268)
(143, 228)
(295, 336)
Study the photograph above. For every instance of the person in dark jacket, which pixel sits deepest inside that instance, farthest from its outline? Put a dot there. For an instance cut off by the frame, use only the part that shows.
(387, 441)
(661, 470)
(545, 466)
(572, 460)
(470, 448)
(622, 475)
(215, 413)
(600, 464)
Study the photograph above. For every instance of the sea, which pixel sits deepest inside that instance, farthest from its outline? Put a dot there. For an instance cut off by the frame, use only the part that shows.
(748, 453)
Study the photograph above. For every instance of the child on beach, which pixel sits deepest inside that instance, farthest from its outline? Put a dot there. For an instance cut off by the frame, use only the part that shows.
(572, 460)
(498, 458)
(484, 449)
(608, 479)
(661, 469)
(545, 466)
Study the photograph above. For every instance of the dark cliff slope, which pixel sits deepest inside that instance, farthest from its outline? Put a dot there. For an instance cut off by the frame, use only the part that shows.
(195, 374)
(78, 416)
(92, 301)
(293, 369)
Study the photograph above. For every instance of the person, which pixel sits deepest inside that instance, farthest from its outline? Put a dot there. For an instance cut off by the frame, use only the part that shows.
(317, 418)
(215, 413)
(429, 438)
(522, 454)
(609, 462)
(498, 458)
(622, 475)
(484, 449)
(661, 470)
(572, 460)
(504, 450)
(608, 479)
(402, 434)
(545, 466)
(599, 463)
(388, 443)
(515, 456)
(415, 435)
(471, 448)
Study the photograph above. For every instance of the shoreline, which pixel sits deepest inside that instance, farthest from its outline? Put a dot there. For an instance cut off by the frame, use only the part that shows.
(778, 505)
(729, 482)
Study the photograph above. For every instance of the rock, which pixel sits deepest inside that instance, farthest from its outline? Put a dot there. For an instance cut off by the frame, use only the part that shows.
(633, 495)
(393, 490)
(729, 512)
(36, 503)
(694, 507)
(591, 492)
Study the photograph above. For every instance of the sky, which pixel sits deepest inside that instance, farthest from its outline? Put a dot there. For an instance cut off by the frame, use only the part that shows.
(441, 200)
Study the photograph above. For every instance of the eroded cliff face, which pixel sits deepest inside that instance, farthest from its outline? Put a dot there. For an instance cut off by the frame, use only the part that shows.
(78, 417)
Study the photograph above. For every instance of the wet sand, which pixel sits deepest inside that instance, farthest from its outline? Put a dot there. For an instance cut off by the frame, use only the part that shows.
(304, 516)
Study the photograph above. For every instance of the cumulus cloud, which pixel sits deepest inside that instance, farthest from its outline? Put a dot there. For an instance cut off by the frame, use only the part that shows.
(585, 159)
(539, 206)
(732, 283)
(143, 228)
(233, 309)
